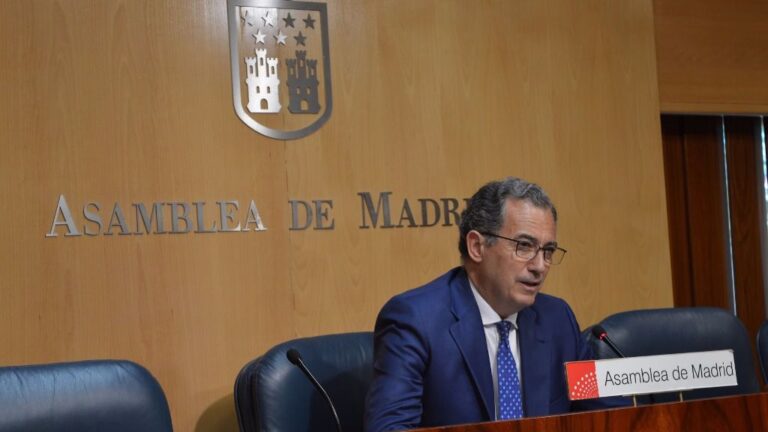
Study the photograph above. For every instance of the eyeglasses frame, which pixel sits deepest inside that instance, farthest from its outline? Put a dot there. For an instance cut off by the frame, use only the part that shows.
(540, 248)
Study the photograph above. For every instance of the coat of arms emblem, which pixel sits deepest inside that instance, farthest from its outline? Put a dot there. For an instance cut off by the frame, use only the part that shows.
(281, 75)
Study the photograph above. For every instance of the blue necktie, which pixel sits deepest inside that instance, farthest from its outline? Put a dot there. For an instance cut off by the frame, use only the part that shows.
(510, 398)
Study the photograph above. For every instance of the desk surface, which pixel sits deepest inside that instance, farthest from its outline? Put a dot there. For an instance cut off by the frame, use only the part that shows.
(735, 413)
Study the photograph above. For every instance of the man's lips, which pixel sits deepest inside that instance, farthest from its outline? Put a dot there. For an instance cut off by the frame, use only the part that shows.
(530, 284)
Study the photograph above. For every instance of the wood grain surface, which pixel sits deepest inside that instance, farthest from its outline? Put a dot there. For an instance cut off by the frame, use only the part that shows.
(130, 102)
(712, 56)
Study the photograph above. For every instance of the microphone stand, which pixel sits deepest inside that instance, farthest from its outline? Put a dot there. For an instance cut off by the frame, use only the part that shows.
(295, 358)
(599, 332)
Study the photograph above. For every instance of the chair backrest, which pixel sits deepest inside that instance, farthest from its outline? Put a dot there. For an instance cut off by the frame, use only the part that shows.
(272, 395)
(86, 396)
(680, 330)
(762, 349)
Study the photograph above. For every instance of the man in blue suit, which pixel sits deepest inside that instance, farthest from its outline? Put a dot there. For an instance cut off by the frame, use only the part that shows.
(480, 342)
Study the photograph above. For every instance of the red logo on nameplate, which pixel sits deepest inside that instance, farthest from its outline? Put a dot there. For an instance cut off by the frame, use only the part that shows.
(582, 380)
(281, 70)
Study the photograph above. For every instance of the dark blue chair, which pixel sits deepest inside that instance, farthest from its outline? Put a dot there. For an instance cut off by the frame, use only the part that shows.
(272, 395)
(680, 330)
(762, 349)
(86, 396)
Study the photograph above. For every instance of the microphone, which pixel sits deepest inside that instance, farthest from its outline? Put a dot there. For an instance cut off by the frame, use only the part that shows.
(599, 332)
(295, 358)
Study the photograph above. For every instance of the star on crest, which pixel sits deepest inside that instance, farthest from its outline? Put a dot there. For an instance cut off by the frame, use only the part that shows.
(280, 37)
(268, 20)
(259, 36)
(309, 22)
(249, 19)
(300, 39)
(289, 20)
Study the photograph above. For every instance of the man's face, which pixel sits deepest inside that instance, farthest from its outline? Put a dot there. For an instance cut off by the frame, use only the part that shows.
(507, 282)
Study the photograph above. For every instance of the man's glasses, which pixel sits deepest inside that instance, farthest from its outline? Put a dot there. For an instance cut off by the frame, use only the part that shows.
(527, 250)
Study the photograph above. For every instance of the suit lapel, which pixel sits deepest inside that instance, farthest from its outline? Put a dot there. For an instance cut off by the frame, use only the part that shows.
(535, 362)
(469, 336)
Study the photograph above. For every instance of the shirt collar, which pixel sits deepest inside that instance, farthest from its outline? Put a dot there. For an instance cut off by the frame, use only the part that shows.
(487, 314)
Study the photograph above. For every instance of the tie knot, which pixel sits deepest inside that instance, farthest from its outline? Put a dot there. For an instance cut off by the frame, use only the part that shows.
(504, 327)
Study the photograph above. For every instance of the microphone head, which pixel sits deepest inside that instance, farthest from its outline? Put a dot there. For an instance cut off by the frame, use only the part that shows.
(599, 332)
(293, 356)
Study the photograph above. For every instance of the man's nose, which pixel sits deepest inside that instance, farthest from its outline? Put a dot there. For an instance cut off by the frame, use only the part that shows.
(537, 263)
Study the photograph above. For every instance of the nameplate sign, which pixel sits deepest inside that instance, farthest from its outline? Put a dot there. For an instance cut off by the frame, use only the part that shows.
(650, 374)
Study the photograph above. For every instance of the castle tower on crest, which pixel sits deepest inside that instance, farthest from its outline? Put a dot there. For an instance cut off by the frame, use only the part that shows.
(263, 83)
(302, 84)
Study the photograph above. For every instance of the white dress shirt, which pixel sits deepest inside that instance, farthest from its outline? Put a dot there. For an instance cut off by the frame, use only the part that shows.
(490, 318)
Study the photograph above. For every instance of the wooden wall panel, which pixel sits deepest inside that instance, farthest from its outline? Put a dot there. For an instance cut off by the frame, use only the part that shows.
(673, 141)
(130, 101)
(713, 251)
(745, 196)
(696, 201)
(712, 56)
(390, 147)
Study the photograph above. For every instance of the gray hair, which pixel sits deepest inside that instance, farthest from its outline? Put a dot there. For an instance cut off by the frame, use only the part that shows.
(485, 210)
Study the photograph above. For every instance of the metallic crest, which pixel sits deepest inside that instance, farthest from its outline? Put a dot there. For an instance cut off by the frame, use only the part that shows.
(281, 73)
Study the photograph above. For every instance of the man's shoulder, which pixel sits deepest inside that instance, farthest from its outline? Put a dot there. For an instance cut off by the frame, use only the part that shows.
(551, 306)
(553, 313)
(438, 287)
(432, 296)
(546, 301)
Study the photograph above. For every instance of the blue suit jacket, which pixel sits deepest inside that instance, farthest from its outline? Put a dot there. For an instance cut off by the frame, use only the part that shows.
(431, 364)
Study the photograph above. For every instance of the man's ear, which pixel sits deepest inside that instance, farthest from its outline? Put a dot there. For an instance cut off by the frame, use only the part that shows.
(475, 245)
